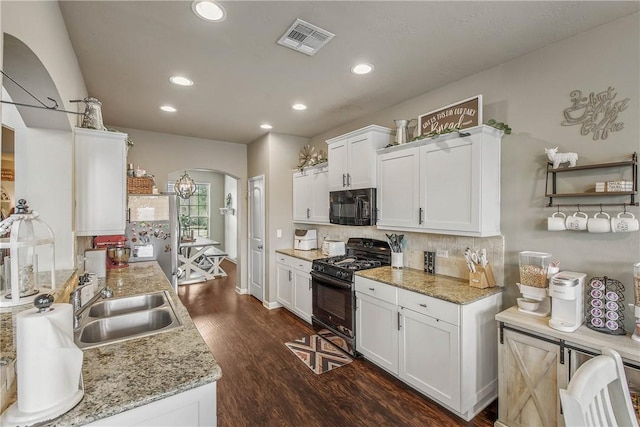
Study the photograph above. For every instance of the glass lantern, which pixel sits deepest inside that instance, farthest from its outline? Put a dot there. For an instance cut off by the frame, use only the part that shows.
(30, 238)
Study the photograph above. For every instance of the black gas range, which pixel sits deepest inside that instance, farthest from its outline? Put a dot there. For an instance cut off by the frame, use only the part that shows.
(333, 291)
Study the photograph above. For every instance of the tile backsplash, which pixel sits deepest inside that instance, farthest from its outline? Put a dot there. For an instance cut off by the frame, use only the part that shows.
(416, 243)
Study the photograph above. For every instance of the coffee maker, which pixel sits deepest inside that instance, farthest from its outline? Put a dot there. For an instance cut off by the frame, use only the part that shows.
(566, 290)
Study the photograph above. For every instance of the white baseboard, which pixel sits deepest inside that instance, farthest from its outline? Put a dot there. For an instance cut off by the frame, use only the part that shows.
(271, 305)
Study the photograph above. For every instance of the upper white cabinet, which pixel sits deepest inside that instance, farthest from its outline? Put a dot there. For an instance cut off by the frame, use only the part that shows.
(311, 195)
(352, 158)
(100, 181)
(447, 185)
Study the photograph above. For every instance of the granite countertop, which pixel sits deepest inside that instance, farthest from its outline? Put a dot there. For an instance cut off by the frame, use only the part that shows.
(122, 376)
(582, 337)
(445, 288)
(305, 255)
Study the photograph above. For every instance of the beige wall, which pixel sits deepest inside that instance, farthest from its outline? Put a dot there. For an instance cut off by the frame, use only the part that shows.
(530, 94)
(275, 156)
(161, 154)
(43, 159)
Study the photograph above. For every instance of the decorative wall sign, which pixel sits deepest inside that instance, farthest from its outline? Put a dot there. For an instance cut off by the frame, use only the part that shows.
(596, 113)
(461, 115)
(7, 175)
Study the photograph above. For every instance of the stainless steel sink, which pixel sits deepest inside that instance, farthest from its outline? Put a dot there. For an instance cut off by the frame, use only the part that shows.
(120, 319)
(117, 306)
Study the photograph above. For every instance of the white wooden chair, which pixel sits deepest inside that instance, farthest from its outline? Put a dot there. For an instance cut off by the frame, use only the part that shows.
(598, 394)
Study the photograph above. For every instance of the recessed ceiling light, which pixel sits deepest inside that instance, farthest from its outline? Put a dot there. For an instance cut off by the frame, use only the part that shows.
(362, 69)
(266, 126)
(181, 81)
(168, 109)
(299, 107)
(208, 10)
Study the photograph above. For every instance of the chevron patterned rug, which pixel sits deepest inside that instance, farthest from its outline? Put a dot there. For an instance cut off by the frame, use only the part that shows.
(319, 355)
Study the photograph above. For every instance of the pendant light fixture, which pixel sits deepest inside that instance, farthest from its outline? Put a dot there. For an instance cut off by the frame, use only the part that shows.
(185, 186)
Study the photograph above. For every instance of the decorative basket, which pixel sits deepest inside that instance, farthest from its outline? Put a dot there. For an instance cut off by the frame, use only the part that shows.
(142, 185)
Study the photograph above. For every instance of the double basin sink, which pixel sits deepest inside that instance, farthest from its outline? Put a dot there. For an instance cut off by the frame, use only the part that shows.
(107, 321)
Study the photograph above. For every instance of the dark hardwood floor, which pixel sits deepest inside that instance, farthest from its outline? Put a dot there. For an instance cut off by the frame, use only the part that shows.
(264, 384)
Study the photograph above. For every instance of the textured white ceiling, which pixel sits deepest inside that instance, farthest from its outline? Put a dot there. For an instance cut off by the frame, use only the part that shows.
(128, 49)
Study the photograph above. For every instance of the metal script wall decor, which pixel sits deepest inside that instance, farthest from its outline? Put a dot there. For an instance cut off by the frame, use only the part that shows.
(596, 113)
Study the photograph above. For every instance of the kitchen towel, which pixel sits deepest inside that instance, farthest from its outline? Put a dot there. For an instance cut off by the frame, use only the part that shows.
(49, 364)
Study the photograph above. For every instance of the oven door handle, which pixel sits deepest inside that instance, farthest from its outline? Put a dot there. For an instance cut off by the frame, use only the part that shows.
(330, 281)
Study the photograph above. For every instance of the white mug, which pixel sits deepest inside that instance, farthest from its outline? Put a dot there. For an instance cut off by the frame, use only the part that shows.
(556, 223)
(597, 224)
(577, 221)
(622, 223)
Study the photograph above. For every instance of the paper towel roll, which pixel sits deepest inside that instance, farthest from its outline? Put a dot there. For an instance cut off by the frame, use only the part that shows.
(49, 364)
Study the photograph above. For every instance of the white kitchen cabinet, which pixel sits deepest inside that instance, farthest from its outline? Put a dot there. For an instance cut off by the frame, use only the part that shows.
(311, 195)
(100, 182)
(377, 323)
(195, 407)
(399, 188)
(425, 338)
(457, 179)
(293, 285)
(441, 349)
(302, 297)
(352, 159)
(284, 284)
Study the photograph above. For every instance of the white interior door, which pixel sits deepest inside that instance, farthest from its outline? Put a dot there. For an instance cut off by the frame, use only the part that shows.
(256, 237)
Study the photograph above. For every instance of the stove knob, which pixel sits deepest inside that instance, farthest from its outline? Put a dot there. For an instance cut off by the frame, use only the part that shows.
(320, 268)
(343, 274)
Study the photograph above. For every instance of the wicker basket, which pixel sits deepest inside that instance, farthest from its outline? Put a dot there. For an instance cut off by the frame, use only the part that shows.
(142, 185)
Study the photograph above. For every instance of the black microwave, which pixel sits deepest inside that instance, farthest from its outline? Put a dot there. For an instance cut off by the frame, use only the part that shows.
(353, 207)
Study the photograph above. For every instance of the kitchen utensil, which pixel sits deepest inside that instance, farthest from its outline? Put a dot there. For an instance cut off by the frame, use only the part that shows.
(483, 258)
(402, 130)
(623, 222)
(577, 221)
(556, 222)
(528, 304)
(599, 224)
(119, 255)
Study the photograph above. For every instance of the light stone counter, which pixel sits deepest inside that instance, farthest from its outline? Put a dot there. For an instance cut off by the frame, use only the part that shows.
(304, 255)
(445, 288)
(122, 376)
(582, 337)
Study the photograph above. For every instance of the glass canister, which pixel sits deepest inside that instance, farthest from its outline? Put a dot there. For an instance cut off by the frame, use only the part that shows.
(533, 268)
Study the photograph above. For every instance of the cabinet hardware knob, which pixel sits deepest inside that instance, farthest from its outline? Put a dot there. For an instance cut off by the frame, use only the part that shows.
(372, 289)
(423, 305)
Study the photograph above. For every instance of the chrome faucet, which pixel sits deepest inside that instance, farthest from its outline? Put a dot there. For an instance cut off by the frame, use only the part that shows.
(75, 298)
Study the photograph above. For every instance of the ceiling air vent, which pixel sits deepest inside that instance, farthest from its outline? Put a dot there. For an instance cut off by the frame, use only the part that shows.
(305, 37)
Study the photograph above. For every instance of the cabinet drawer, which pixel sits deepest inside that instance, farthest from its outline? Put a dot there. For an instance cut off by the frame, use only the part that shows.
(293, 262)
(441, 310)
(378, 290)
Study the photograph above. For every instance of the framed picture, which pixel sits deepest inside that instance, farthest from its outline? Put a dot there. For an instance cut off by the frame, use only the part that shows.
(461, 115)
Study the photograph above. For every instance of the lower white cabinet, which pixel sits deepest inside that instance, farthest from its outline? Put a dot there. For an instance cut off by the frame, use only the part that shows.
(195, 407)
(430, 356)
(377, 323)
(441, 349)
(293, 285)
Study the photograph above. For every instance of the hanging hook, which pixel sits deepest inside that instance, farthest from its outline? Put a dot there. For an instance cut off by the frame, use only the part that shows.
(624, 206)
(558, 208)
(578, 207)
(600, 207)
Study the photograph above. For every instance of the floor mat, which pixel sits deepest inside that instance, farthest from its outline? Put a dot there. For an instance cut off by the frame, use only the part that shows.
(318, 354)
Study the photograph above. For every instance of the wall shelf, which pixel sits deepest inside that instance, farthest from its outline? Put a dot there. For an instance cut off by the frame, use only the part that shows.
(552, 178)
